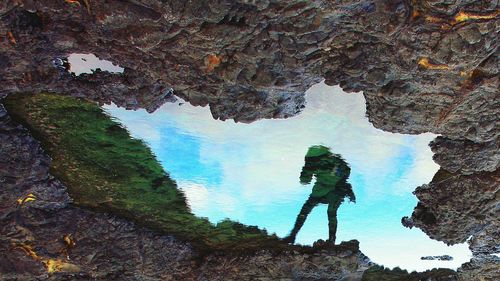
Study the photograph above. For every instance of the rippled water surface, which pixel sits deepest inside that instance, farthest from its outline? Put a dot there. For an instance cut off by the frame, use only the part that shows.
(250, 173)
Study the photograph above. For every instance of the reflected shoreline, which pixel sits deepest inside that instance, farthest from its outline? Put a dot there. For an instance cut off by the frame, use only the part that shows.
(213, 140)
(318, 246)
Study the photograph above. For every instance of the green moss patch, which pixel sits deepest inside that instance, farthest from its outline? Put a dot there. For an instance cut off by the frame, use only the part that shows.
(105, 169)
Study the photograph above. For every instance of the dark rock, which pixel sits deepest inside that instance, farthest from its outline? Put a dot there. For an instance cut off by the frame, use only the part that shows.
(454, 207)
(439, 258)
(465, 156)
(481, 268)
(255, 59)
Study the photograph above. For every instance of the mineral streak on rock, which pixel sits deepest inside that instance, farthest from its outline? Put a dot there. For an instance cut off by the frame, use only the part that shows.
(52, 265)
(11, 37)
(28, 198)
(75, 2)
(424, 62)
(463, 16)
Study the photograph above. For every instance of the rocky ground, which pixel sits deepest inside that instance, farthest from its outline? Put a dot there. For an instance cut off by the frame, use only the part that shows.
(423, 66)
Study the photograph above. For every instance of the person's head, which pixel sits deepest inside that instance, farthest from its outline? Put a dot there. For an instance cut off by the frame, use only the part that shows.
(319, 160)
(318, 151)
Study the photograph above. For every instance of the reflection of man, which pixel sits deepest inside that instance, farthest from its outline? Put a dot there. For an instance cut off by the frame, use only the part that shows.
(331, 187)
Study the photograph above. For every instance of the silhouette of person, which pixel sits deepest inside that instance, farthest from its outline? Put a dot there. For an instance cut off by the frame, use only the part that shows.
(331, 187)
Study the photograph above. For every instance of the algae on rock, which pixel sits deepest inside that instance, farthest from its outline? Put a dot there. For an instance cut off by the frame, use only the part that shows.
(105, 169)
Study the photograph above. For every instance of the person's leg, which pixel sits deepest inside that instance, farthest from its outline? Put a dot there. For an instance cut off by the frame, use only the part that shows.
(332, 221)
(301, 218)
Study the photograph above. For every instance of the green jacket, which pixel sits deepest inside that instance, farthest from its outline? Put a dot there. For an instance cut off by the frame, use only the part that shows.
(331, 172)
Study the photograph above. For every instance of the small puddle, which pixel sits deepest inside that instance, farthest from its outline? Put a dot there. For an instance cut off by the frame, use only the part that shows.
(251, 173)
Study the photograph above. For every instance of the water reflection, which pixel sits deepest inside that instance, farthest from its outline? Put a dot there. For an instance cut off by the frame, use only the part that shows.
(331, 187)
(248, 173)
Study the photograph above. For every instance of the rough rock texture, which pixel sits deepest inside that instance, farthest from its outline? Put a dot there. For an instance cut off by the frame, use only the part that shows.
(480, 267)
(340, 264)
(92, 246)
(423, 66)
(454, 207)
(466, 157)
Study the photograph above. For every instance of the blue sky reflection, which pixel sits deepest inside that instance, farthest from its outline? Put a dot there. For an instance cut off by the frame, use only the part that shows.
(250, 172)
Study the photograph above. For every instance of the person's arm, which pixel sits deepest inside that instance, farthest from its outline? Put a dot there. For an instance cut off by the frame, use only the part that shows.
(307, 172)
(349, 193)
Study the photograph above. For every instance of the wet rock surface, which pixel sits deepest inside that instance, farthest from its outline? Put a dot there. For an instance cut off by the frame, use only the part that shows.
(423, 66)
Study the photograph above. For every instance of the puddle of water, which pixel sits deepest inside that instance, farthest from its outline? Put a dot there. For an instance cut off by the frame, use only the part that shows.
(85, 63)
(251, 173)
